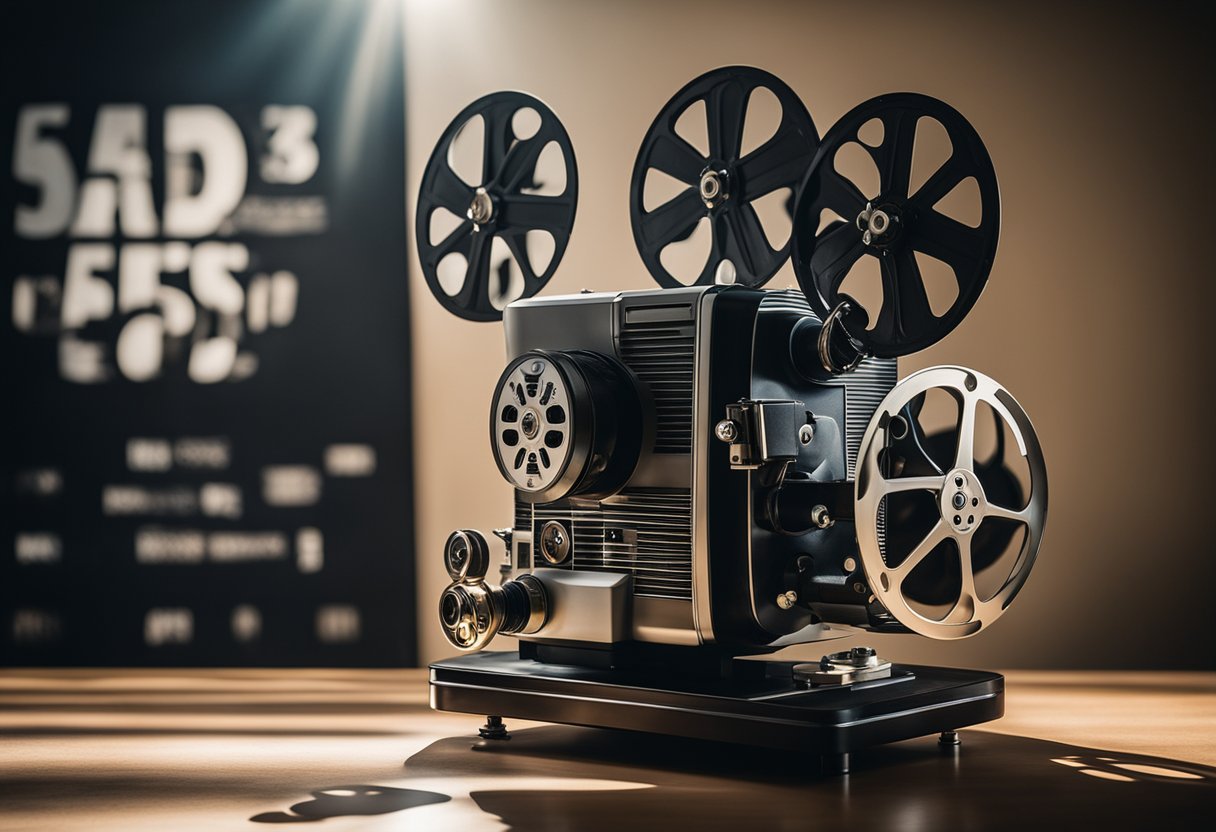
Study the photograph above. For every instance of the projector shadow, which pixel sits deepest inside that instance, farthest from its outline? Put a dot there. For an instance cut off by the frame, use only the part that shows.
(992, 782)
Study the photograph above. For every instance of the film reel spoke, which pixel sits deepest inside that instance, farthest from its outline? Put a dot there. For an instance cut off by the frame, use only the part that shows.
(535, 213)
(674, 220)
(522, 158)
(779, 163)
(894, 156)
(905, 307)
(955, 244)
(449, 191)
(893, 225)
(458, 241)
(725, 107)
(964, 455)
(520, 161)
(899, 485)
(746, 245)
(500, 207)
(841, 248)
(475, 293)
(723, 183)
(931, 541)
(518, 246)
(942, 181)
(496, 138)
(967, 605)
(1021, 515)
(677, 158)
(839, 195)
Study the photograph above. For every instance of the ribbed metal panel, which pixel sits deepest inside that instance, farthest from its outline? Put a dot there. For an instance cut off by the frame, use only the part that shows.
(864, 390)
(523, 515)
(644, 532)
(662, 354)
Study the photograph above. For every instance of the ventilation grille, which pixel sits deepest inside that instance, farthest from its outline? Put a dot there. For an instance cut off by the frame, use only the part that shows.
(644, 532)
(864, 390)
(663, 355)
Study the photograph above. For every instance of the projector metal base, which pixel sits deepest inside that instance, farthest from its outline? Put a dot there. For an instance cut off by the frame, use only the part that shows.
(758, 703)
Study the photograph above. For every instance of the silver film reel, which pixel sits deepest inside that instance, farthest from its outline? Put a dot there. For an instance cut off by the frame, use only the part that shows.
(959, 534)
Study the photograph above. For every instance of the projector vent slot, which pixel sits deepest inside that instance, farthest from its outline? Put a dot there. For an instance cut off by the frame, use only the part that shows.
(663, 355)
(644, 532)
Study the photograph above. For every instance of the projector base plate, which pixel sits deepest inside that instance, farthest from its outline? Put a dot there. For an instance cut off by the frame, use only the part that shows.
(758, 703)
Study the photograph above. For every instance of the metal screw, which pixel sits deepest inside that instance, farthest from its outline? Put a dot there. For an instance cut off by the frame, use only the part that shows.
(805, 434)
(850, 565)
(821, 517)
(786, 599)
(859, 588)
(726, 430)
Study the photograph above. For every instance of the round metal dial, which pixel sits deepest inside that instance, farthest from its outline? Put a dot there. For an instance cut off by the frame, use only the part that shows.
(962, 505)
(894, 224)
(504, 205)
(721, 184)
(531, 424)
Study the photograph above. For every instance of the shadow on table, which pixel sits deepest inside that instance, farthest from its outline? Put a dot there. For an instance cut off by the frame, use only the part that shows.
(342, 801)
(992, 782)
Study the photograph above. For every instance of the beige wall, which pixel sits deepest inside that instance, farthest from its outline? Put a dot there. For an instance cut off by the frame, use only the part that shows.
(1097, 315)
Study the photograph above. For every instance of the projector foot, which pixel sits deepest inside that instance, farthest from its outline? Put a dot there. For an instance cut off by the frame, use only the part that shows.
(494, 729)
(836, 764)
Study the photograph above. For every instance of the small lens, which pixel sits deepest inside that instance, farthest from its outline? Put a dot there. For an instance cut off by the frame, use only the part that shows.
(459, 554)
(450, 609)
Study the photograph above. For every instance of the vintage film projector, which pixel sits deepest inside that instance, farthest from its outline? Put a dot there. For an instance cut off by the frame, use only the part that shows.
(711, 471)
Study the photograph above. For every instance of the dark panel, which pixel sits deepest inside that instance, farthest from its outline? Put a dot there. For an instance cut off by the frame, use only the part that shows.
(206, 456)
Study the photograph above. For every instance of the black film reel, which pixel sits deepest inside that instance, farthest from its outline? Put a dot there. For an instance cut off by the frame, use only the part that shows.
(506, 204)
(894, 224)
(721, 185)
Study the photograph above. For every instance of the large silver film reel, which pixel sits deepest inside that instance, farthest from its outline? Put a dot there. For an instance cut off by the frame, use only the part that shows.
(961, 501)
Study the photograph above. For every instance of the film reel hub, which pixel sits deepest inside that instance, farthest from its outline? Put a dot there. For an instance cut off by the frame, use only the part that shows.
(714, 186)
(481, 210)
(879, 226)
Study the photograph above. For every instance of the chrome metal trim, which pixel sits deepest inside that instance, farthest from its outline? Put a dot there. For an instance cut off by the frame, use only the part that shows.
(667, 621)
(702, 611)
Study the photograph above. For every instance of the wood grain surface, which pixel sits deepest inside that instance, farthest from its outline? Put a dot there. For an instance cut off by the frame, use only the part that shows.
(183, 750)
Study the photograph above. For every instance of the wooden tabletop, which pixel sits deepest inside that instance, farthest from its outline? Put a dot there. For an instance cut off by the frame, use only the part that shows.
(229, 749)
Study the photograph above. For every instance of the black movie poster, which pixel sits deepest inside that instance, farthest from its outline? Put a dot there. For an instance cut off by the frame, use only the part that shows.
(205, 335)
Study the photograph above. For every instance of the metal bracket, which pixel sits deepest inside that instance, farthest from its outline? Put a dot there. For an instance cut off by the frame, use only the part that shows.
(760, 431)
(861, 664)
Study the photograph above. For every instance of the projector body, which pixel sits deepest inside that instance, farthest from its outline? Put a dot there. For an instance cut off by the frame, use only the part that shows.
(710, 472)
(684, 544)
